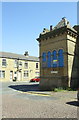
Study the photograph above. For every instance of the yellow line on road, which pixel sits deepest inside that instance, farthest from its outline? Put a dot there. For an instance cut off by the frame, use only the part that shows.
(36, 93)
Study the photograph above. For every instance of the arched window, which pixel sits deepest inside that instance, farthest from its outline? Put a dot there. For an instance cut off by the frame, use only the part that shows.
(60, 58)
(54, 59)
(44, 59)
(49, 59)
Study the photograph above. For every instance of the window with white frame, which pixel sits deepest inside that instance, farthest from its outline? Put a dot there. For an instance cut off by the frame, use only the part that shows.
(36, 74)
(2, 74)
(26, 65)
(26, 74)
(20, 64)
(4, 62)
(15, 63)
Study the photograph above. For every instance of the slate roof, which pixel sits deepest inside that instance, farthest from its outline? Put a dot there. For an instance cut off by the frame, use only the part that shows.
(18, 56)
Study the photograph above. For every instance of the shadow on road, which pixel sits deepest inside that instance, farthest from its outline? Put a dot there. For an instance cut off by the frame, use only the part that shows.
(25, 88)
(74, 103)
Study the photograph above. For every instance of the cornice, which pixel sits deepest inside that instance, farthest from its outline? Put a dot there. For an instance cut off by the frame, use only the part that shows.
(58, 32)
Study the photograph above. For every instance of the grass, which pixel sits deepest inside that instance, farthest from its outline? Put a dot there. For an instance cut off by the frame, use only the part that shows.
(60, 89)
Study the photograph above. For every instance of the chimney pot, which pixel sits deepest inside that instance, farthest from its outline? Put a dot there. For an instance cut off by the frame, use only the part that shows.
(26, 53)
(50, 27)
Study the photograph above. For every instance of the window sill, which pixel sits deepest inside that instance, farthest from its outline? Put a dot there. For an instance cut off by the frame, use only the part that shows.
(25, 77)
(2, 78)
(4, 66)
(37, 68)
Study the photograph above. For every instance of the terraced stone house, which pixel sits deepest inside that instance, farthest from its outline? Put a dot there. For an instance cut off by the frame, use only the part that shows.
(18, 67)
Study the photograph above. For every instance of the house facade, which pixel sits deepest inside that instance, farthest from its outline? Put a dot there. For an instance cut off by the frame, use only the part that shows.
(59, 56)
(18, 67)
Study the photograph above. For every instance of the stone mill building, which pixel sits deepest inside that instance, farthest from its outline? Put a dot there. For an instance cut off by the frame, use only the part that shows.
(59, 56)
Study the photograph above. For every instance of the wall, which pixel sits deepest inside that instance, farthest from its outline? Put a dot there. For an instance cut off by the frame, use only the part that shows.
(10, 67)
(49, 79)
(72, 61)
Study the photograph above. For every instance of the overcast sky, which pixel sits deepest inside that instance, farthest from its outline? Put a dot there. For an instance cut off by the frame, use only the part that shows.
(22, 23)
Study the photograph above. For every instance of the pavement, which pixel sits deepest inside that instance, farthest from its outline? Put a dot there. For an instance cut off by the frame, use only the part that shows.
(25, 100)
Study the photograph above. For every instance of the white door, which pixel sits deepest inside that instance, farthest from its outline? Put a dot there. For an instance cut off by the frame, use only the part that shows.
(11, 75)
(19, 76)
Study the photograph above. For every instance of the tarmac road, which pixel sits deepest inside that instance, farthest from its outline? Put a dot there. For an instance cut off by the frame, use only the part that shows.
(24, 100)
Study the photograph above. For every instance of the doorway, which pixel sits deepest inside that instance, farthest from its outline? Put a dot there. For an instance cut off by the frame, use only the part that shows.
(19, 76)
(11, 75)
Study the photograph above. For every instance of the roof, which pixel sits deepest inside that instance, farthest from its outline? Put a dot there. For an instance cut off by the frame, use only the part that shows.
(45, 31)
(52, 33)
(76, 27)
(64, 22)
(62, 26)
(18, 56)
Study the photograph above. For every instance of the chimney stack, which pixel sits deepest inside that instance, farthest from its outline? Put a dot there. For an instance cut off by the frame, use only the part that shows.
(50, 27)
(26, 53)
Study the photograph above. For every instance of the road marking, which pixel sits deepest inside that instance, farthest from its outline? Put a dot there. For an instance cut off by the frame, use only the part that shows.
(35, 93)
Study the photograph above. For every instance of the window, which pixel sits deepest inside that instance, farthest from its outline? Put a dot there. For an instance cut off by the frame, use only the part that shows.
(26, 74)
(37, 65)
(15, 63)
(20, 64)
(60, 58)
(26, 65)
(4, 62)
(2, 74)
(49, 59)
(44, 57)
(44, 60)
(37, 74)
(54, 59)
